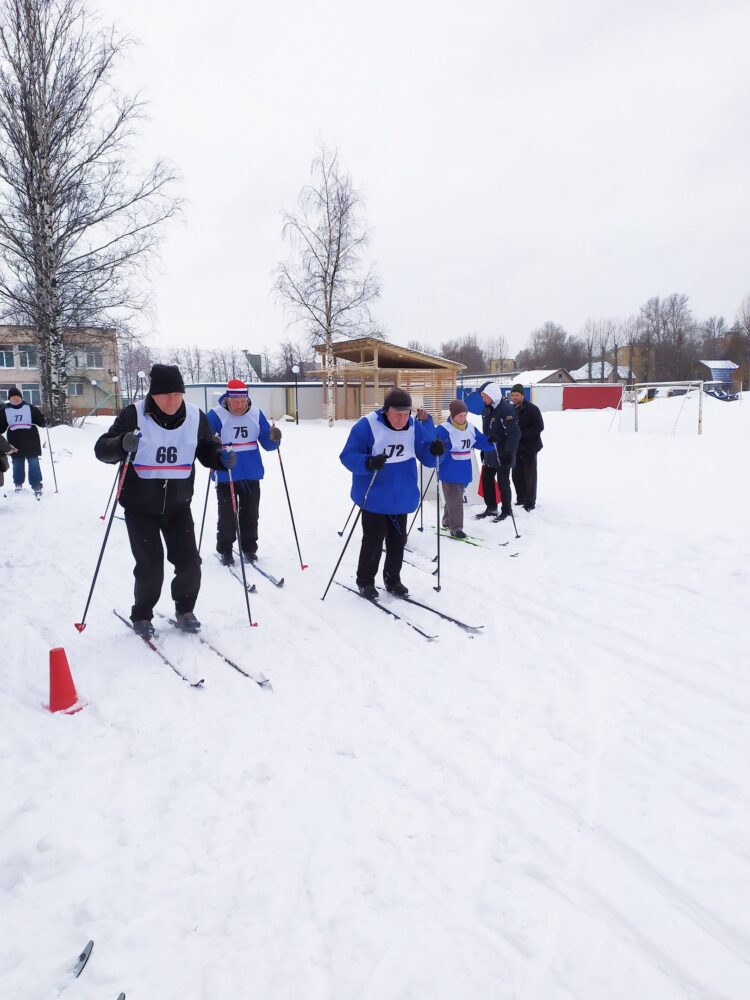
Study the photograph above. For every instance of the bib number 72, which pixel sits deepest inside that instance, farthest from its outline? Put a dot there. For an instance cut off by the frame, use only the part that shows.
(393, 449)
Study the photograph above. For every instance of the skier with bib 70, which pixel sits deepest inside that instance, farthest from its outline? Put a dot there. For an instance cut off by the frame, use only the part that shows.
(382, 453)
(459, 437)
(162, 436)
(243, 426)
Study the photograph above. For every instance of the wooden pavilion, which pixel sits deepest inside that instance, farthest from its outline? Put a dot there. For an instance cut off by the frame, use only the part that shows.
(366, 368)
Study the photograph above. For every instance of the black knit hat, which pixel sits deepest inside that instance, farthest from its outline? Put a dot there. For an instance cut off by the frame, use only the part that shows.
(397, 399)
(165, 378)
(518, 388)
(14, 391)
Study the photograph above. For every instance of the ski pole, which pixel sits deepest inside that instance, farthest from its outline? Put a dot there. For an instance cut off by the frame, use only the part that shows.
(205, 506)
(512, 515)
(103, 516)
(341, 533)
(52, 459)
(421, 501)
(346, 543)
(302, 565)
(437, 498)
(421, 495)
(81, 625)
(236, 510)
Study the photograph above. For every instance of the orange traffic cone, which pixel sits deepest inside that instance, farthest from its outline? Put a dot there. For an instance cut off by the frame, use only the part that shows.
(62, 690)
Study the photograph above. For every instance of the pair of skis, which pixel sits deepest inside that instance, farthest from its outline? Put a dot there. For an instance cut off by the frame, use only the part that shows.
(388, 609)
(258, 679)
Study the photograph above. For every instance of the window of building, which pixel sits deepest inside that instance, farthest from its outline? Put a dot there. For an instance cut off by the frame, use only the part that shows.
(94, 359)
(31, 393)
(6, 356)
(4, 390)
(75, 388)
(27, 356)
(76, 360)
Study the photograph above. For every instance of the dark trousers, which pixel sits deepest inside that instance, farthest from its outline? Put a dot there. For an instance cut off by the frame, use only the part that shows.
(144, 532)
(524, 477)
(376, 529)
(247, 492)
(488, 488)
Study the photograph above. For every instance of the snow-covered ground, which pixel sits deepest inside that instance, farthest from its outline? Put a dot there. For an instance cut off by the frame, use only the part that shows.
(553, 809)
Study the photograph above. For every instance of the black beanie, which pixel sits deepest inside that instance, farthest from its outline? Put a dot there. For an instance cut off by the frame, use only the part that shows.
(165, 378)
(14, 391)
(397, 399)
(518, 388)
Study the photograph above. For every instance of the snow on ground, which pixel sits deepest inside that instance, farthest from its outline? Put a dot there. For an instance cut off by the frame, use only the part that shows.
(554, 809)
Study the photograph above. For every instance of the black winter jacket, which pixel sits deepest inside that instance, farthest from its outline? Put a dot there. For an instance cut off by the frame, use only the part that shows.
(532, 424)
(156, 496)
(501, 422)
(26, 441)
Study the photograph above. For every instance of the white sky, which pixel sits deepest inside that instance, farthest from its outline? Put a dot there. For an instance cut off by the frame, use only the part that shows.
(521, 161)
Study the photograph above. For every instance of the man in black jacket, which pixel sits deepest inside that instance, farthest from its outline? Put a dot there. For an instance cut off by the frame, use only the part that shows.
(531, 423)
(162, 435)
(500, 425)
(21, 420)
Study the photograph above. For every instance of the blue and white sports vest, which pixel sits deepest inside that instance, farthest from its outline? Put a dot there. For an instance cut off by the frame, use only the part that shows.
(18, 419)
(397, 446)
(462, 441)
(165, 454)
(239, 432)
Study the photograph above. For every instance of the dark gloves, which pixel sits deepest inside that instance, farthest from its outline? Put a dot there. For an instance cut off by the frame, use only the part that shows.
(437, 448)
(130, 441)
(228, 458)
(375, 462)
(492, 438)
(275, 435)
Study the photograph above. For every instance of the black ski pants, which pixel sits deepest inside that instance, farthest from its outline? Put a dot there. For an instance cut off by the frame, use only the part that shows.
(488, 487)
(524, 478)
(145, 532)
(247, 492)
(376, 529)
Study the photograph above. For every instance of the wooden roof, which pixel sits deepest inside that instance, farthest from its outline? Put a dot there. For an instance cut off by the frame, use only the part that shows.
(364, 350)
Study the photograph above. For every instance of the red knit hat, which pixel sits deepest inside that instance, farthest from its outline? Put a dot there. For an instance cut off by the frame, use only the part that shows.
(236, 388)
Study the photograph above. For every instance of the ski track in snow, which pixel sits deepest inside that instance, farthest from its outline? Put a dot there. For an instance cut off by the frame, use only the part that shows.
(551, 809)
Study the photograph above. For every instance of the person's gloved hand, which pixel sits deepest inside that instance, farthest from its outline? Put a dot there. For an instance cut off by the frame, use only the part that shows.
(437, 447)
(130, 441)
(275, 435)
(375, 462)
(228, 458)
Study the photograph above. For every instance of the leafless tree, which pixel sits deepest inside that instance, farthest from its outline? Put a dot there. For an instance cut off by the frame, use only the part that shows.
(550, 346)
(76, 226)
(326, 283)
(467, 351)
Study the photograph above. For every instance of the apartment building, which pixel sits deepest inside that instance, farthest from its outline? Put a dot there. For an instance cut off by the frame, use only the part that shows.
(93, 368)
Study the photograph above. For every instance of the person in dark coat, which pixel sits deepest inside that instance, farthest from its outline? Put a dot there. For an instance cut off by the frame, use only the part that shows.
(163, 435)
(5, 450)
(21, 420)
(500, 425)
(531, 424)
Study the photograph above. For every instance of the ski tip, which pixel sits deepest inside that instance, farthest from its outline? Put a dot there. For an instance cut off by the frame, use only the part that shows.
(80, 626)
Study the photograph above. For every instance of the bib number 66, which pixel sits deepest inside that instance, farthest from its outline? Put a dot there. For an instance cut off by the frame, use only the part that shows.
(166, 456)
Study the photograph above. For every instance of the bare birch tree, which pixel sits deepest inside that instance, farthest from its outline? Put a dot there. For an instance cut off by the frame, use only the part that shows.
(76, 227)
(326, 283)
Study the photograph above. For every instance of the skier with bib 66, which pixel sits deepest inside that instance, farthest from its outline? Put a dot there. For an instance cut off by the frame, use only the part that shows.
(161, 436)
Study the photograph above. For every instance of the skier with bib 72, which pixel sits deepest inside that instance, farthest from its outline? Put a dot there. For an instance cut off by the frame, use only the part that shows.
(382, 453)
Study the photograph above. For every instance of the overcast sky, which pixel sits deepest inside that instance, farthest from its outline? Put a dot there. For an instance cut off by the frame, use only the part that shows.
(521, 161)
